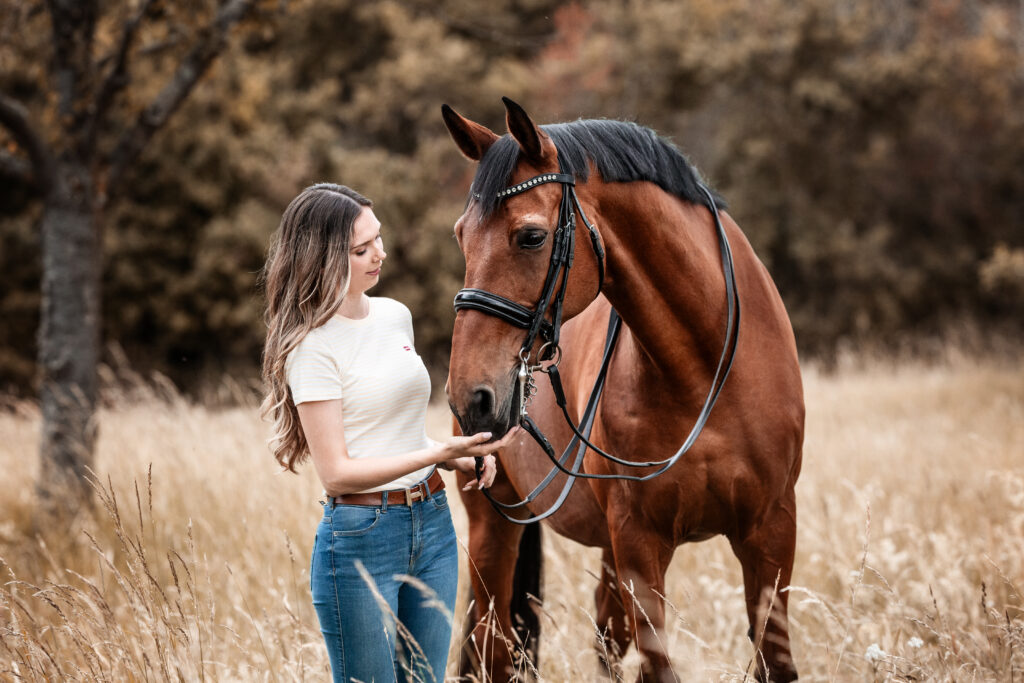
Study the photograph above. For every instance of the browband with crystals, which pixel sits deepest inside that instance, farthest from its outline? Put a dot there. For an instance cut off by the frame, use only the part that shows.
(538, 180)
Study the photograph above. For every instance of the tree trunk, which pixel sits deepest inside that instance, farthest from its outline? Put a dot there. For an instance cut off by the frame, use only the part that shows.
(69, 338)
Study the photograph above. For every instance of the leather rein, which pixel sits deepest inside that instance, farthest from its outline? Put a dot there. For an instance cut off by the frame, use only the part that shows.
(536, 324)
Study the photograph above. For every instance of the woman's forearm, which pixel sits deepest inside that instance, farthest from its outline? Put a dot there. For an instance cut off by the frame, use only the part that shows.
(348, 475)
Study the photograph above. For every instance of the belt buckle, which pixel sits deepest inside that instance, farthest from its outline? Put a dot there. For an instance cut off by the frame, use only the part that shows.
(412, 495)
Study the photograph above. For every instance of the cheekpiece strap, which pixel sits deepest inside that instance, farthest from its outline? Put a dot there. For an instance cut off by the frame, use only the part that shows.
(567, 178)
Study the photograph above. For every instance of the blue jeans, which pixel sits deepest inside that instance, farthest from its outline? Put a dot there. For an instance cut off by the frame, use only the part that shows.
(410, 556)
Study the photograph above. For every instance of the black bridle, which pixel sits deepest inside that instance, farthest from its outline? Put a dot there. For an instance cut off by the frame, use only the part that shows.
(537, 324)
(562, 250)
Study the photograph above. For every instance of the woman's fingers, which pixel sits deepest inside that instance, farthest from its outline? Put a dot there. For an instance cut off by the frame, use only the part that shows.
(478, 445)
(507, 439)
(479, 437)
(489, 447)
(489, 471)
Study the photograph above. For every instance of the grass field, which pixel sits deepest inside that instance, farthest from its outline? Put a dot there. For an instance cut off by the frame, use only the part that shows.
(910, 558)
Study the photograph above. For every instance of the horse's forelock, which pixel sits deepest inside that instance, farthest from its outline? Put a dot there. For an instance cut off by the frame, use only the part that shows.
(493, 173)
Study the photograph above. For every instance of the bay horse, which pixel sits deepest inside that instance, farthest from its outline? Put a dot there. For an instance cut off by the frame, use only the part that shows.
(656, 258)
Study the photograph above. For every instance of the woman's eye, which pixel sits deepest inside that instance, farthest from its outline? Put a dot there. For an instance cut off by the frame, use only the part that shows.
(531, 239)
(360, 252)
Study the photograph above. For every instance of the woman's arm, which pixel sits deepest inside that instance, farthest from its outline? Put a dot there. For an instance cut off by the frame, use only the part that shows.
(325, 433)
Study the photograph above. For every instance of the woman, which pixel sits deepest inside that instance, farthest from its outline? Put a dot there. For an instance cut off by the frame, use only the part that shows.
(347, 388)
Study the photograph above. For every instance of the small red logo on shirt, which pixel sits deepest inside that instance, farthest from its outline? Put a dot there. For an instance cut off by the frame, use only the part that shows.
(407, 348)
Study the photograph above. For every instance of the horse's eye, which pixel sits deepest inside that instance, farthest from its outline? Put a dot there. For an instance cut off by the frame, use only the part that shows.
(531, 239)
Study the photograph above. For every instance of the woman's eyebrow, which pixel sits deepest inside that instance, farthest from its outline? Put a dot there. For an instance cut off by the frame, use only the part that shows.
(367, 241)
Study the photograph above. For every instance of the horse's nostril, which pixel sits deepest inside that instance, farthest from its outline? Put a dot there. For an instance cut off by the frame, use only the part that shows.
(482, 403)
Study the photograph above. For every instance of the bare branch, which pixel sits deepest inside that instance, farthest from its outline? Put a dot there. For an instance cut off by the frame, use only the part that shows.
(159, 46)
(211, 43)
(479, 30)
(117, 78)
(15, 118)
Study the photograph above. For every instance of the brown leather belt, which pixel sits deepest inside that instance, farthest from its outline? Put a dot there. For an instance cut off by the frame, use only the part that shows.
(421, 491)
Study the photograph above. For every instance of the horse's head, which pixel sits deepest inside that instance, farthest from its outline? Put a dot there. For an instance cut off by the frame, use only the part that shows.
(507, 244)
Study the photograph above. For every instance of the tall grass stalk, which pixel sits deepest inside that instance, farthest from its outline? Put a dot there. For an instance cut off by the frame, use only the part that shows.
(194, 563)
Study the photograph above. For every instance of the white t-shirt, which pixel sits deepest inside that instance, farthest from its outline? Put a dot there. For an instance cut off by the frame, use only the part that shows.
(372, 366)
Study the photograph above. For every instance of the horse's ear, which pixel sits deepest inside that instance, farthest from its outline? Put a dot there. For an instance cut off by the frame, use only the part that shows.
(534, 142)
(473, 139)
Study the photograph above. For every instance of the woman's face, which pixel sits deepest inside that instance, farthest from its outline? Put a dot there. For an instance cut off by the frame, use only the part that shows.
(366, 254)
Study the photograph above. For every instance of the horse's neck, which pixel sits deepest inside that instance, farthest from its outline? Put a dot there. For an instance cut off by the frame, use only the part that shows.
(665, 277)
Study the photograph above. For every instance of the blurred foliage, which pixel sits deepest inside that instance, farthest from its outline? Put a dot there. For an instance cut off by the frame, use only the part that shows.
(873, 152)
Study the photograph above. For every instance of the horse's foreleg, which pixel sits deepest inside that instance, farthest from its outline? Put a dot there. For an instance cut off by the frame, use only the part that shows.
(489, 650)
(613, 636)
(641, 559)
(766, 554)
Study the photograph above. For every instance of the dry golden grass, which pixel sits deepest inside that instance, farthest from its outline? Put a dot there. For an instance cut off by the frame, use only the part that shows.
(910, 553)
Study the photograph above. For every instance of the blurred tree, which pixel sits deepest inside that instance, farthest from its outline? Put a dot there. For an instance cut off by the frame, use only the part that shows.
(73, 131)
(870, 150)
(340, 92)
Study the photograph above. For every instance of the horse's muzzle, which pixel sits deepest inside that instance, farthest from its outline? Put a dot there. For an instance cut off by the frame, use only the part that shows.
(485, 412)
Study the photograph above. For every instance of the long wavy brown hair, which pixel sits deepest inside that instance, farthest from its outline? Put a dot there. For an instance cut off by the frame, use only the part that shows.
(306, 278)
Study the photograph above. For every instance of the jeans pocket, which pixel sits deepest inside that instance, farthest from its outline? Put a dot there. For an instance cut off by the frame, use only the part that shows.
(439, 500)
(354, 520)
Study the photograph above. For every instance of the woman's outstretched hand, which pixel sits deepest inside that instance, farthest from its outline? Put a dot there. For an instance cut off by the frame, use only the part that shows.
(463, 451)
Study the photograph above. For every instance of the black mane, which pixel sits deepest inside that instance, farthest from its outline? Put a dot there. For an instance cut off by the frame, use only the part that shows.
(622, 151)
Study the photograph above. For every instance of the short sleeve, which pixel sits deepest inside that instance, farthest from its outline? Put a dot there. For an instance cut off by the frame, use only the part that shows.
(312, 372)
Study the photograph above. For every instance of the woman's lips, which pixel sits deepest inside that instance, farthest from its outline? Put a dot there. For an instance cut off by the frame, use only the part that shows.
(374, 272)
